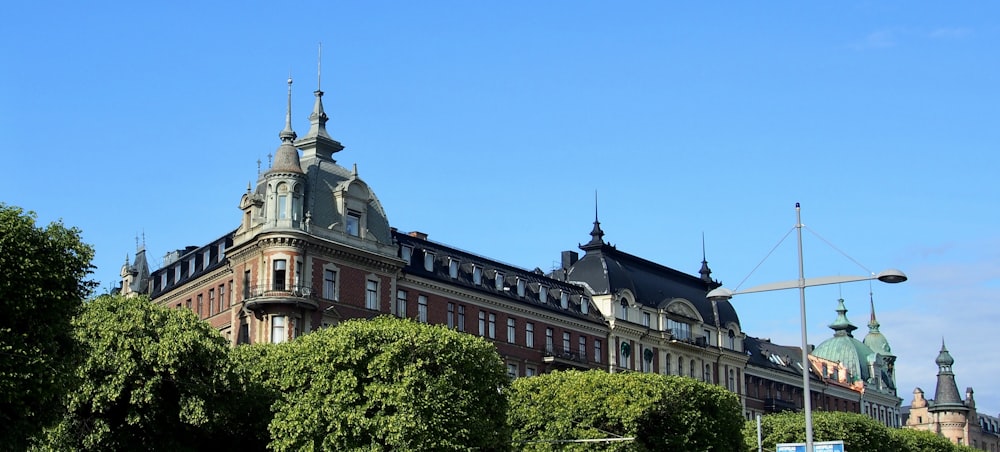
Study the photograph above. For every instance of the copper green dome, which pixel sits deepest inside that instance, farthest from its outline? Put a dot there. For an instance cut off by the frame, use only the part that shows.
(844, 348)
(875, 340)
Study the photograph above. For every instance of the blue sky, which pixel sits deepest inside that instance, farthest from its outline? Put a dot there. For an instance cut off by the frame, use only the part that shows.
(490, 125)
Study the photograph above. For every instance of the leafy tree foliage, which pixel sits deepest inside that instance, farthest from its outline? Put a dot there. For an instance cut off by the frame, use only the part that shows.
(662, 412)
(388, 384)
(151, 379)
(859, 433)
(42, 289)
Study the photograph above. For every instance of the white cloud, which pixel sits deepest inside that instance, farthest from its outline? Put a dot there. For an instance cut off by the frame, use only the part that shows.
(877, 40)
(950, 33)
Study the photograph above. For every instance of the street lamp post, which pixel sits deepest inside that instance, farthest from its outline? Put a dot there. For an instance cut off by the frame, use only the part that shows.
(891, 276)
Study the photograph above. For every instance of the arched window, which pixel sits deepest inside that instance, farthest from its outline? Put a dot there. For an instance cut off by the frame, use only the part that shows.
(692, 369)
(623, 314)
(732, 340)
(666, 364)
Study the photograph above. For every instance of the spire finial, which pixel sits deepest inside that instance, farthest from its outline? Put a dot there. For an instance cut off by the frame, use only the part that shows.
(705, 272)
(319, 67)
(287, 134)
(596, 234)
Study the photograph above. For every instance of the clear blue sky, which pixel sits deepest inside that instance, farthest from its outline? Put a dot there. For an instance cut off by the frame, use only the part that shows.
(489, 126)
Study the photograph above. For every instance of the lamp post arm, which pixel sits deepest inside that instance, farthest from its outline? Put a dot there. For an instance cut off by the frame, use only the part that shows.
(809, 282)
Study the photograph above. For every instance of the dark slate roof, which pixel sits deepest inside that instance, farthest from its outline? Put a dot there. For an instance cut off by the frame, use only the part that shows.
(946, 393)
(762, 353)
(606, 270)
(140, 271)
(192, 254)
(534, 279)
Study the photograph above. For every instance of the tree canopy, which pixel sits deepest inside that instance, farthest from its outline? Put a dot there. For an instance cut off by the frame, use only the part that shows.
(388, 384)
(661, 412)
(152, 378)
(43, 287)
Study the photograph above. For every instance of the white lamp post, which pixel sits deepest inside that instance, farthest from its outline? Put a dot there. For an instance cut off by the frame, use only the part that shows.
(891, 276)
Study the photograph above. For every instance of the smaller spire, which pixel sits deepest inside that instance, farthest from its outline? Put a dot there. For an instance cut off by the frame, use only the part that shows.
(842, 326)
(596, 234)
(873, 323)
(317, 141)
(706, 273)
(288, 135)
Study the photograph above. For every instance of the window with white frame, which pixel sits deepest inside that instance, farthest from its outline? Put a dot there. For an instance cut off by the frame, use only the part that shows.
(371, 295)
(543, 294)
(529, 334)
(680, 330)
(583, 347)
(428, 261)
(451, 315)
(405, 253)
(732, 340)
(623, 311)
(477, 275)
(529, 371)
(453, 267)
(666, 364)
(278, 334)
(512, 370)
(278, 276)
(330, 284)
(401, 303)
(708, 373)
(549, 345)
(566, 343)
(708, 336)
(597, 350)
(564, 299)
(584, 305)
(645, 319)
(422, 308)
(511, 330)
(520, 287)
(493, 326)
(482, 323)
(353, 224)
(211, 301)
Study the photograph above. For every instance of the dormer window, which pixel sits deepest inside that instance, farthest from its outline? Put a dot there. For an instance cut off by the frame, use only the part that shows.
(498, 281)
(453, 267)
(428, 261)
(623, 312)
(477, 275)
(520, 287)
(353, 224)
(406, 252)
(564, 299)
(584, 305)
(543, 294)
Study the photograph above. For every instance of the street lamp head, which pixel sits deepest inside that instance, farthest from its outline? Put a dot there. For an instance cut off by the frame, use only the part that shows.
(720, 294)
(891, 276)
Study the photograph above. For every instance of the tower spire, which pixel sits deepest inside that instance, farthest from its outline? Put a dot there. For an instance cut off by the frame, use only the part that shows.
(317, 141)
(705, 272)
(596, 234)
(288, 135)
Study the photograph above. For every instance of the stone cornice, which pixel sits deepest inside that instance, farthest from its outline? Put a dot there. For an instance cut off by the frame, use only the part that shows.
(301, 240)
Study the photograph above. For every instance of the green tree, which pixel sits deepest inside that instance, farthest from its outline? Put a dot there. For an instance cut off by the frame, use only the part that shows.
(389, 384)
(660, 412)
(859, 433)
(922, 441)
(43, 287)
(152, 378)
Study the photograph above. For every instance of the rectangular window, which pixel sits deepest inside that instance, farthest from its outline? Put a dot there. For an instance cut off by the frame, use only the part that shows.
(583, 347)
(222, 296)
(177, 273)
(453, 268)
(461, 317)
(201, 313)
(353, 225)
(564, 299)
(680, 330)
(520, 287)
(498, 281)
(597, 350)
(451, 315)
(329, 284)
(548, 340)
(584, 305)
(565, 348)
(282, 206)
(529, 334)
(278, 329)
(422, 308)
(406, 252)
(512, 370)
(543, 294)
(645, 319)
(191, 266)
(428, 261)
(530, 371)
(371, 295)
(708, 337)
(482, 323)
(401, 303)
(477, 275)
(623, 313)
(211, 302)
(511, 331)
(246, 284)
(188, 303)
(279, 274)
(493, 326)
(230, 291)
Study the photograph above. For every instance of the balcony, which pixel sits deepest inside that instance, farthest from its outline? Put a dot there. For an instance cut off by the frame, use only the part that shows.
(772, 405)
(258, 296)
(564, 358)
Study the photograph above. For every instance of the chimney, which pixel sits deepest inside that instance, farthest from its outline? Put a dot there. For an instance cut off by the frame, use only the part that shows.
(569, 258)
(418, 234)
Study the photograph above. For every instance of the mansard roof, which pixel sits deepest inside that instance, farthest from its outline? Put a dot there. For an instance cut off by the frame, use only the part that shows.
(606, 270)
(764, 354)
(189, 263)
(467, 262)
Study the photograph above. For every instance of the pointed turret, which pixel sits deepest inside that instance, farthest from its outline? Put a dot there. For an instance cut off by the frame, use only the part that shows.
(286, 158)
(946, 396)
(875, 339)
(705, 272)
(317, 141)
(596, 234)
(842, 326)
